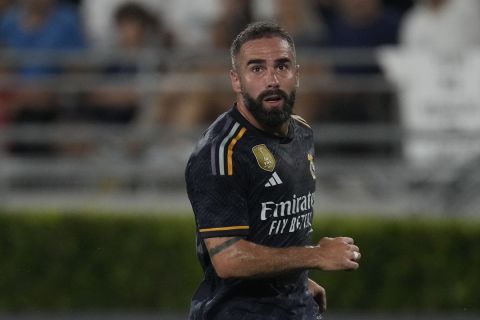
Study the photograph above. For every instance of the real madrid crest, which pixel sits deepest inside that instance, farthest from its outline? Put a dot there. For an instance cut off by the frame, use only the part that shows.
(264, 157)
(312, 166)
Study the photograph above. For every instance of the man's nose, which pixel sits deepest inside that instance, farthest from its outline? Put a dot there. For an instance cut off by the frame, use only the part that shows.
(272, 79)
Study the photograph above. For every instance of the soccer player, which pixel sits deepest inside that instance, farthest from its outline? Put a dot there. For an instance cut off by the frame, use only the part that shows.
(251, 183)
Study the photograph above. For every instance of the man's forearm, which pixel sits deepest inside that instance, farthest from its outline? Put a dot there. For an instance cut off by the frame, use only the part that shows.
(240, 258)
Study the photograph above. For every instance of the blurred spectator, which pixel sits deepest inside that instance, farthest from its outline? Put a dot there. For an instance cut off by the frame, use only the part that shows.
(99, 18)
(361, 24)
(436, 74)
(38, 26)
(442, 25)
(137, 30)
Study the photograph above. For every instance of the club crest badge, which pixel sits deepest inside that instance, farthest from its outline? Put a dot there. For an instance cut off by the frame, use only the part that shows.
(312, 166)
(264, 157)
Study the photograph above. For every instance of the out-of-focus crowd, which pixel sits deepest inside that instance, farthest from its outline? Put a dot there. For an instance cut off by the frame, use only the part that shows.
(134, 26)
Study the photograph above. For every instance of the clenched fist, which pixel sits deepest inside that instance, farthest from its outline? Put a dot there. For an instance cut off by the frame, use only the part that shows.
(337, 254)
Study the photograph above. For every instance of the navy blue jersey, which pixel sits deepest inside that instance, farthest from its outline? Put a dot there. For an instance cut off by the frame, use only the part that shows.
(244, 182)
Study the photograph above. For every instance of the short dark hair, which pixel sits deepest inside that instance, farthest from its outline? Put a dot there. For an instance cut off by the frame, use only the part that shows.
(258, 30)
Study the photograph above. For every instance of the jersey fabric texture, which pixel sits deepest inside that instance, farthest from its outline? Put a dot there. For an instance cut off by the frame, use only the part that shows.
(244, 182)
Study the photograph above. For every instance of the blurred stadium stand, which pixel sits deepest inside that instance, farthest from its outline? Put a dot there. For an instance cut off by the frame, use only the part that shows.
(139, 164)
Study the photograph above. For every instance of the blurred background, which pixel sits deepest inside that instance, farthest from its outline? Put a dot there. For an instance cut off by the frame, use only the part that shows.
(101, 103)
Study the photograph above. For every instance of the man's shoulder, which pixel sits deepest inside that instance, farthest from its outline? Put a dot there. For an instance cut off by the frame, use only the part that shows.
(301, 121)
(220, 144)
(222, 128)
(302, 125)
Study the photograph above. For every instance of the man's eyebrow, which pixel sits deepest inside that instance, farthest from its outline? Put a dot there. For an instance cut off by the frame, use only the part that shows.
(255, 61)
(262, 61)
(283, 60)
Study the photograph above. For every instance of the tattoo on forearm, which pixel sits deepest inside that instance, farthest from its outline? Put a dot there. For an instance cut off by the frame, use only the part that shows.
(223, 246)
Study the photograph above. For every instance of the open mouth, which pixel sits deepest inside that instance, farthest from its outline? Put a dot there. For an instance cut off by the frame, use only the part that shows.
(273, 98)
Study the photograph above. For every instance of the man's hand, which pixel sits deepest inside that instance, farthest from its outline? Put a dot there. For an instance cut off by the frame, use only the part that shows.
(338, 254)
(319, 295)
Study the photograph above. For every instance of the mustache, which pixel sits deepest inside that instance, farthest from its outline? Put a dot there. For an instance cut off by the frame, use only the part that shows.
(276, 92)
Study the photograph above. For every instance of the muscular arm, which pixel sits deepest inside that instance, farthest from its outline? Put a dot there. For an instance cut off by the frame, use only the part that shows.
(238, 258)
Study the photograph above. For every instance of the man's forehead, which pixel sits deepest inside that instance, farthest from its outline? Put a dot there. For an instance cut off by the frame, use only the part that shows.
(266, 48)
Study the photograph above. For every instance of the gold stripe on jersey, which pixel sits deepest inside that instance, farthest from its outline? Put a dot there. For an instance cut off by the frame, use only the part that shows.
(230, 151)
(225, 228)
(301, 120)
(221, 152)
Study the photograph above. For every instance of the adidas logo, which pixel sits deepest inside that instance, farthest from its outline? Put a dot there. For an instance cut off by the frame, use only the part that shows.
(273, 181)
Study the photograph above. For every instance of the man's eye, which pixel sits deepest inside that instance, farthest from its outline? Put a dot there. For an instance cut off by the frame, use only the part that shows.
(256, 69)
(282, 67)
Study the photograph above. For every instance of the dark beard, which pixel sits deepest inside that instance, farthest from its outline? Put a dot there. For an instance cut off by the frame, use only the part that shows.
(274, 118)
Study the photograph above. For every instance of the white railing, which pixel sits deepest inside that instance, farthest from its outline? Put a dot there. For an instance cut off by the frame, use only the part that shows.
(140, 166)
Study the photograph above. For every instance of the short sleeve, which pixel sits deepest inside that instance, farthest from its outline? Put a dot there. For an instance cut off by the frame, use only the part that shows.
(219, 202)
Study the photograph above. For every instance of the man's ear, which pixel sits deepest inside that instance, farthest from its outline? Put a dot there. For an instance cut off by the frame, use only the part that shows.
(235, 81)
